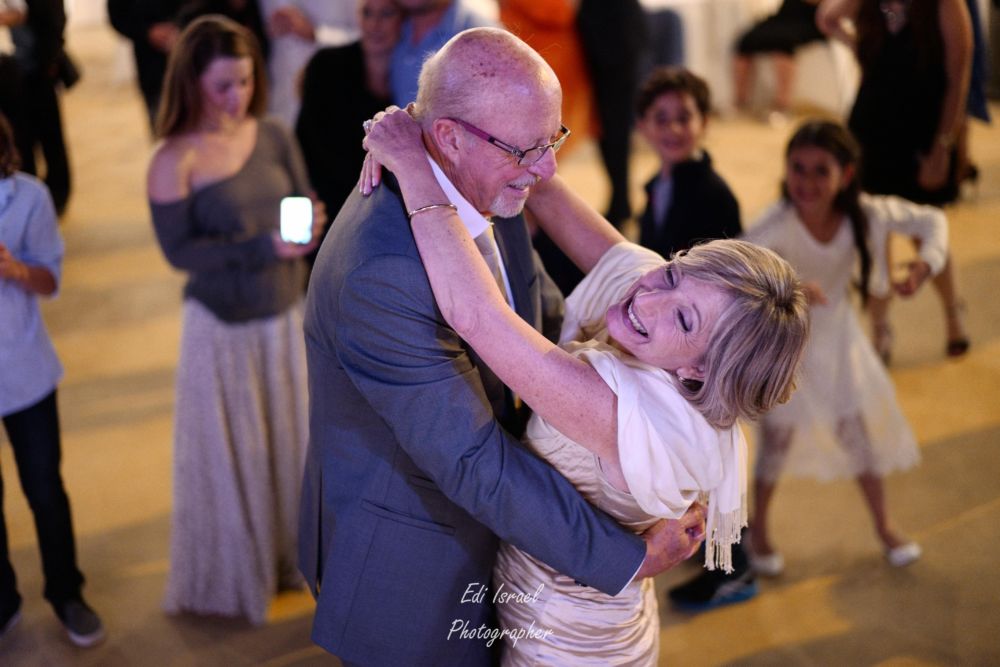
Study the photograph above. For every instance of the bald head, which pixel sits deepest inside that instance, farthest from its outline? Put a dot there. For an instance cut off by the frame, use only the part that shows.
(479, 68)
(484, 96)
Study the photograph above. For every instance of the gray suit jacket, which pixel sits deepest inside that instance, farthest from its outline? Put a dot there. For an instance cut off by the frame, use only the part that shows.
(410, 480)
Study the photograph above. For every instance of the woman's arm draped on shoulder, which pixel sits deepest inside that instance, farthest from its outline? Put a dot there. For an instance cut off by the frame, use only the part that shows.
(831, 16)
(571, 223)
(564, 390)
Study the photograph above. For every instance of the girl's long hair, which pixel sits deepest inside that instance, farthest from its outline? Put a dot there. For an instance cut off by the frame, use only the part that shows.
(836, 140)
(205, 39)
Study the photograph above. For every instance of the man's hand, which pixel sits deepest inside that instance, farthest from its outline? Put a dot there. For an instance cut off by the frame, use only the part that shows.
(670, 541)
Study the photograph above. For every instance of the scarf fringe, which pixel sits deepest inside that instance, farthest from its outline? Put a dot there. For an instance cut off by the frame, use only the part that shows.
(723, 532)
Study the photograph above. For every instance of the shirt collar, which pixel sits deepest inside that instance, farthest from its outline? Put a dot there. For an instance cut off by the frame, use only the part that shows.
(473, 220)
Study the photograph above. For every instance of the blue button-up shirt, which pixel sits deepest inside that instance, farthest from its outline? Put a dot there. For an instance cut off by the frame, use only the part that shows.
(29, 367)
(408, 57)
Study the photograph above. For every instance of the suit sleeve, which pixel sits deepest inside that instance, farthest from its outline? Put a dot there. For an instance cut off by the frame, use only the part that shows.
(415, 373)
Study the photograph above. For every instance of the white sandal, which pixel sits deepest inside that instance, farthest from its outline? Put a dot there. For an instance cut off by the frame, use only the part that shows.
(904, 554)
(770, 565)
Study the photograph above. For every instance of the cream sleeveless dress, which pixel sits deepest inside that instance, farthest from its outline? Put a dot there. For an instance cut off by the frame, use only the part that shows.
(843, 419)
(670, 457)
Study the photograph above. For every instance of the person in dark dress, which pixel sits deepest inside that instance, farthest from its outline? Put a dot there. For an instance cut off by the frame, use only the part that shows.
(688, 202)
(916, 58)
(342, 87)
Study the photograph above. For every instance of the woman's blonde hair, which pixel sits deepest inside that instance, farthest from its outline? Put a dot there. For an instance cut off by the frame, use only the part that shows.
(205, 39)
(758, 340)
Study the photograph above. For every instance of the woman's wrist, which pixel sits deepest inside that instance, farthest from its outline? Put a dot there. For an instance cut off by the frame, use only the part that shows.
(431, 207)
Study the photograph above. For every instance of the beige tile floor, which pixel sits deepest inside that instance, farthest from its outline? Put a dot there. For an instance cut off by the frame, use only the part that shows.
(116, 326)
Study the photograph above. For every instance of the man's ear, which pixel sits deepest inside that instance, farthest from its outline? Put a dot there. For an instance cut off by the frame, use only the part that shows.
(447, 138)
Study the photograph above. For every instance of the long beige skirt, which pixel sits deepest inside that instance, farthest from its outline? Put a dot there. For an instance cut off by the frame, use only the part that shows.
(240, 436)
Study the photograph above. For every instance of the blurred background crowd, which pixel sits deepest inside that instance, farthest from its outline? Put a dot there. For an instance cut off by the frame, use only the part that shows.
(682, 115)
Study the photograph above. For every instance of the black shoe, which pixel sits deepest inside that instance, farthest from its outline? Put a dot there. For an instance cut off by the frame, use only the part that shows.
(713, 588)
(83, 625)
(9, 620)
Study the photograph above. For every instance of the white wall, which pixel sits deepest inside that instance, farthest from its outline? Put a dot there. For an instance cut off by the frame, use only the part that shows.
(86, 12)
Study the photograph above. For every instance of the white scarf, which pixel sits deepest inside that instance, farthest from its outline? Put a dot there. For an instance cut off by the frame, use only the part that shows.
(670, 455)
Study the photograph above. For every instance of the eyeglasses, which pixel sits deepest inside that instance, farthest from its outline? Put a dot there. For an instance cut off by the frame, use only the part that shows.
(525, 158)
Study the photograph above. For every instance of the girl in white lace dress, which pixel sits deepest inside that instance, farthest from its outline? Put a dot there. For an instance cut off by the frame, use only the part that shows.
(636, 406)
(843, 420)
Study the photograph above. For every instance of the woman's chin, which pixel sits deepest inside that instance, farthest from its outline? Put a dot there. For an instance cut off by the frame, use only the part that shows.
(618, 328)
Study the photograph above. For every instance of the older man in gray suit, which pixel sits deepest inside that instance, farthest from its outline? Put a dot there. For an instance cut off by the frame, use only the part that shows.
(412, 477)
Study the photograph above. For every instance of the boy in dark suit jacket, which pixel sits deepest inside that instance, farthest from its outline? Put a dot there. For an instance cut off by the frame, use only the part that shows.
(688, 202)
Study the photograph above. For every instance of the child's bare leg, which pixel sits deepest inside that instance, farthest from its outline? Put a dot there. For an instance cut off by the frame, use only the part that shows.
(762, 494)
(784, 70)
(741, 79)
(773, 449)
(874, 493)
(954, 310)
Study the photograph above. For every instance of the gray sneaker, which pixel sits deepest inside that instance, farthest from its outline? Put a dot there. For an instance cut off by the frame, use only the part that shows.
(83, 625)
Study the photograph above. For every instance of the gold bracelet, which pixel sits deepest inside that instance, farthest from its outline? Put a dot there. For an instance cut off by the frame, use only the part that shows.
(431, 207)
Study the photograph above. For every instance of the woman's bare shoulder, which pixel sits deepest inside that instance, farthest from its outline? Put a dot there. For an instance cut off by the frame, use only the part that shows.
(170, 169)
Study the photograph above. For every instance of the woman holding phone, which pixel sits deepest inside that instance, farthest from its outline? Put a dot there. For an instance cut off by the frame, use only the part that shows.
(215, 185)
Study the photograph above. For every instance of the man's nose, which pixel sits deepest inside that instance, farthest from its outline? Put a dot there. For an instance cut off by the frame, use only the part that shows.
(546, 167)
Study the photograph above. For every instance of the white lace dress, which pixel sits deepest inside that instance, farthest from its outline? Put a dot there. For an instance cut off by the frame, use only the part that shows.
(843, 418)
(670, 456)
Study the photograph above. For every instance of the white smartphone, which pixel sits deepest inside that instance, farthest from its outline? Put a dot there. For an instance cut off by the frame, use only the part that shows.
(296, 219)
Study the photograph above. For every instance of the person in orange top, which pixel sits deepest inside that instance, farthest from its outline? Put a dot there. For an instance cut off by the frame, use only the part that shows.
(549, 27)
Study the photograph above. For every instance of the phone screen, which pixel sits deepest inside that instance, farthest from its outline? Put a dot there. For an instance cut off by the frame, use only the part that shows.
(296, 219)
